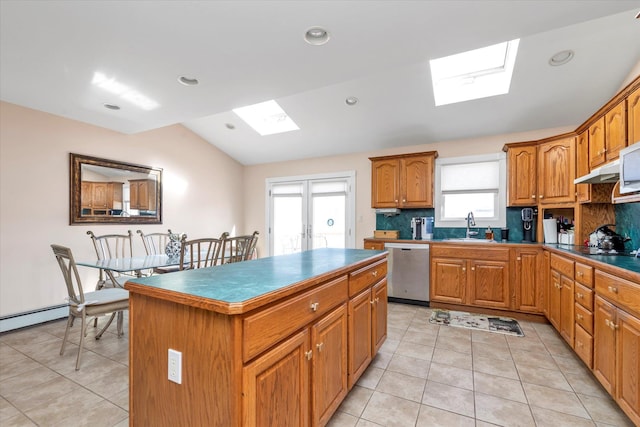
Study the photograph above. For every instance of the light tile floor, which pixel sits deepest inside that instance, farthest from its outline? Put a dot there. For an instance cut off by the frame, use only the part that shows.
(424, 375)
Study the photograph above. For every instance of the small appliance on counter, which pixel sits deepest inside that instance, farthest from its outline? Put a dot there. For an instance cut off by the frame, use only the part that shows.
(527, 225)
(422, 227)
(607, 240)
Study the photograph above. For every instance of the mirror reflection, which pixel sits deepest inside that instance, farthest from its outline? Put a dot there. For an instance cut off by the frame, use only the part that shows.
(106, 191)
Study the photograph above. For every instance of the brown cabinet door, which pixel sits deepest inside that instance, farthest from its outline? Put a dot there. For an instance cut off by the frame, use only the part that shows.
(554, 299)
(615, 131)
(329, 365)
(100, 195)
(359, 335)
(143, 196)
(489, 283)
(597, 139)
(628, 364)
(522, 176)
(133, 195)
(604, 344)
(529, 280)
(556, 171)
(448, 280)
(567, 301)
(633, 117)
(583, 191)
(378, 316)
(86, 194)
(385, 183)
(276, 385)
(416, 182)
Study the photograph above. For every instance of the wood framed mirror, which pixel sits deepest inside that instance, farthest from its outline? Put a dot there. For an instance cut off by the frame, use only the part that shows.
(109, 191)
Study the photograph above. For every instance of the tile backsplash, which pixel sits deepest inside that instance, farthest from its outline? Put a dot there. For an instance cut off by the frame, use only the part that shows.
(627, 224)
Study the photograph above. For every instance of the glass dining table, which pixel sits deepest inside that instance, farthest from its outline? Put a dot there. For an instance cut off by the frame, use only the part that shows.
(131, 266)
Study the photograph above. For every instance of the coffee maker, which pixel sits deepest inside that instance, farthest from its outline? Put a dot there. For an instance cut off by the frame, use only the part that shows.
(527, 225)
(419, 228)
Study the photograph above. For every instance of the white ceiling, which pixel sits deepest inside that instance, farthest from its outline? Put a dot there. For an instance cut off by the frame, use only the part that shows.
(244, 52)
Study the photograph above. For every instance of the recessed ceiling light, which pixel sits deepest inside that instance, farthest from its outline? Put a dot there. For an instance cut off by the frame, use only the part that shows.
(188, 81)
(230, 126)
(351, 100)
(561, 58)
(316, 36)
(111, 106)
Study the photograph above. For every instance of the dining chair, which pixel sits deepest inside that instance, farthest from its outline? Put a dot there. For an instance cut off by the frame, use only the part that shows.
(200, 253)
(85, 305)
(239, 248)
(155, 244)
(113, 246)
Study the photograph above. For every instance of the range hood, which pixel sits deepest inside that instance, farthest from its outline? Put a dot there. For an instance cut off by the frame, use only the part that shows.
(604, 174)
(388, 211)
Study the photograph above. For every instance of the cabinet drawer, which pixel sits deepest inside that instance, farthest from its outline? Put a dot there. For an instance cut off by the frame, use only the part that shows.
(620, 291)
(367, 277)
(584, 296)
(584, 275)
(470, 251)
(269, 326)
(584, 346)
(584, 318)
(562, 265)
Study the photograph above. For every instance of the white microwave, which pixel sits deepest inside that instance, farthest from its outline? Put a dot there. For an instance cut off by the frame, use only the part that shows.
(630, 169)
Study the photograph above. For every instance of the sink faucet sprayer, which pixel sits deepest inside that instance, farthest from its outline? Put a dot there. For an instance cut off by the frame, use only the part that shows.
(471, 222)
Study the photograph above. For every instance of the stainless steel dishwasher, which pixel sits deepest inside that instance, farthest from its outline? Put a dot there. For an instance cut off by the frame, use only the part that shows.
(408, 272)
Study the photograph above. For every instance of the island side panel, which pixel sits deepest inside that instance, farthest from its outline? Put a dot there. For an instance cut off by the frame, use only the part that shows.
(211, 365)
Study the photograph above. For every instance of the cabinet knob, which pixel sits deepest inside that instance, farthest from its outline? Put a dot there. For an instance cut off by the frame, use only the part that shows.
(375, 273)
(314, 306)
(320, 346)
(473, 269)
(464, 269)
(541, 196)
(308, 354)
(404, 200)
(396, 200)
(613, 326)
(377, 300)
(606, 322)
(372, 302)
(579, 295)
(518, 258)
(533, 196)
(613, 289)
(580, 273)
(579, 316)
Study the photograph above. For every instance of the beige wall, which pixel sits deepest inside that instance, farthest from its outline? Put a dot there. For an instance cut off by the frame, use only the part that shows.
(202, 196)
(255, 176)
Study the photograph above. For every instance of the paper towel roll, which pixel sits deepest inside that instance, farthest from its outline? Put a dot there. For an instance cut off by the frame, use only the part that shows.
(550, 227)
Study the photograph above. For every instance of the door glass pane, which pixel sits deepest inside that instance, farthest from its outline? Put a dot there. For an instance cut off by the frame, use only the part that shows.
(329, 220)
(287, 224)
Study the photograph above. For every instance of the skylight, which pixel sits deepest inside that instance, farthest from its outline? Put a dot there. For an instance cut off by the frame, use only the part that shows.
(475, 74)
(266, 118)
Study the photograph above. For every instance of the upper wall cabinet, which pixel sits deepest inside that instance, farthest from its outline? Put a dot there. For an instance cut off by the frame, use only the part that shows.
(523, 182)
(608, 136)
(633, 117)
(403, 181)
(556, 171)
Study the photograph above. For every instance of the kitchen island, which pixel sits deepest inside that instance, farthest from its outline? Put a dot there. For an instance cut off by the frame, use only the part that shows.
(275, 341)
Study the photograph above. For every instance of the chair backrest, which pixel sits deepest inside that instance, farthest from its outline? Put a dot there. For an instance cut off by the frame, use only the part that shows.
(112, 245)
(70, 273)
(154, 243)
(239, 248)
(200, 253)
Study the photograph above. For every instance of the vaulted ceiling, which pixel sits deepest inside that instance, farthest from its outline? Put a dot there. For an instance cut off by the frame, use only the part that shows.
(245, 52)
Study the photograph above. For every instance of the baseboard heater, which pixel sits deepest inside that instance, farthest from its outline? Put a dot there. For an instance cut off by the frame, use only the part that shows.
(34, 317)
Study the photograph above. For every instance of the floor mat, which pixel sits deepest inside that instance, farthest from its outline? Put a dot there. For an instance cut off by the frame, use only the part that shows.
(462, 319)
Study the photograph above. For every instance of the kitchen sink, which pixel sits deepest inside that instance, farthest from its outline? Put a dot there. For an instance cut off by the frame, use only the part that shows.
(469, 240)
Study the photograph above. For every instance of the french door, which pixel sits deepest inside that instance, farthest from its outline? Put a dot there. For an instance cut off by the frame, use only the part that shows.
(311, 212)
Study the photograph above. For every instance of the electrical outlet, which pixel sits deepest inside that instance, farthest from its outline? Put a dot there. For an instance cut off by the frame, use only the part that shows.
(175, 366)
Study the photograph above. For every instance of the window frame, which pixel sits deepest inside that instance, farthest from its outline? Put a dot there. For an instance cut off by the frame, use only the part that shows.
(501, 205)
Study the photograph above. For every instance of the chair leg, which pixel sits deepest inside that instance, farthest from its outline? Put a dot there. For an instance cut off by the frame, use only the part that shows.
(120, 323)
(83, 332)
(66, 333)
(106, 326)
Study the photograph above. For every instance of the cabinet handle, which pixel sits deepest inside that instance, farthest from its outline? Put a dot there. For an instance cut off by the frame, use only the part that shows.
(473, 269)
(377, 300)
(372, 302)
(396, 200)
(580, 344)
(604, 150)
(579, 316)
(579, 295)
(308, 354)
(606, 322)
(404, 200)
(541, 196)
(320, 346)
(613, 289)
(613, 326)
(533, 196)
(518, 258)
(464, 269)
(375, 273)
(314, 306)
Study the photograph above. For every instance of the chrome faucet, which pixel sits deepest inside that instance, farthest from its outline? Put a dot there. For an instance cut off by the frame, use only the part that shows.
(471, 222)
